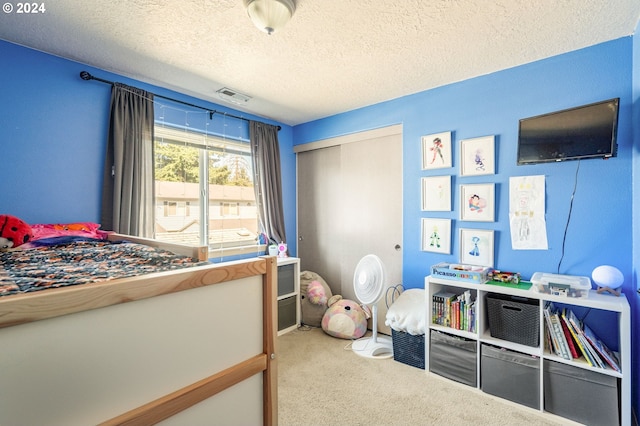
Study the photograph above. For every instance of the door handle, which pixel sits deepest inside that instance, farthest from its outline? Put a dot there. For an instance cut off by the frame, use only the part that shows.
(398, 247)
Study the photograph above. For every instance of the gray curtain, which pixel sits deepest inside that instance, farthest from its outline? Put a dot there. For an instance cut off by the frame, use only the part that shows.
(267, 180)
(127, 195)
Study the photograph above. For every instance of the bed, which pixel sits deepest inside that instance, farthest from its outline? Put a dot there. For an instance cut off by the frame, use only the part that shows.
(192, 345)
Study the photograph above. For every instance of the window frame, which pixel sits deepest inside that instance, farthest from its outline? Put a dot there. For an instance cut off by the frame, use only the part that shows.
(207, 143)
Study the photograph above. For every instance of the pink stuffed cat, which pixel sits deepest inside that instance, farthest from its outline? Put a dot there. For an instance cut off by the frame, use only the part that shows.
(345, 319)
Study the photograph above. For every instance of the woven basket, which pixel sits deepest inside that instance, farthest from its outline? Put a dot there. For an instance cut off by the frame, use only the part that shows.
(513, 318)
(408, 349)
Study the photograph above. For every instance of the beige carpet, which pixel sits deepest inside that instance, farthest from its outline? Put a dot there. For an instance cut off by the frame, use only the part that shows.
(321, 382)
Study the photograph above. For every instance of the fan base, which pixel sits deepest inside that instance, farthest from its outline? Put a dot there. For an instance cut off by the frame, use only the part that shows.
(380, 347)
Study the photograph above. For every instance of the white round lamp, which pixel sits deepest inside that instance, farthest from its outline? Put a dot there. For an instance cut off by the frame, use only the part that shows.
(270, 15)
(608, 279)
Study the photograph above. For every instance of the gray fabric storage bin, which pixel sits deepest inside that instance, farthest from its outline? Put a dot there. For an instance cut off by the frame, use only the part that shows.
(510, 375)
(286, 280)
(453, 357)
(581, 395)
(286, 312)
(514, 318)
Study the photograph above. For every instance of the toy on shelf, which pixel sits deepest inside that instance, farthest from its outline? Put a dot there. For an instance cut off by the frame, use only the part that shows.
(460, 272)
(282, 250)
(504, 276)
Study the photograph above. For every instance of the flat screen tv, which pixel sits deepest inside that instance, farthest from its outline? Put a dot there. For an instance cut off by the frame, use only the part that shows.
(588, 131)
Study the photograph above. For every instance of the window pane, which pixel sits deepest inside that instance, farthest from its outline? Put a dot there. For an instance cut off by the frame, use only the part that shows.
(182, 197)
(177, 182)
(232, 203)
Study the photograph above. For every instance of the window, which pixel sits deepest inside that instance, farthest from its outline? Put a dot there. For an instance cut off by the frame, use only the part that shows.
(173, 208)
(170, 208)
(229, 209)
(203, 189)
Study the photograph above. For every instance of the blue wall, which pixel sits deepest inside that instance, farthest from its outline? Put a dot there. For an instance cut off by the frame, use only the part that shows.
(53, 130)
(600, 229)
(635, 326)
(492, 105)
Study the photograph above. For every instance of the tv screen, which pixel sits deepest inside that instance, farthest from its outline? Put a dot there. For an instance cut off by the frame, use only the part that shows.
(587, 131)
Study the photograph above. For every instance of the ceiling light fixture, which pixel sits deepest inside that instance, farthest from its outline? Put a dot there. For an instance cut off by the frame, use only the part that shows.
(270, 15)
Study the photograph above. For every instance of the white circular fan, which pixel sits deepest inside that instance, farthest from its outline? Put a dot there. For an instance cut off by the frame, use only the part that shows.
(368, 284)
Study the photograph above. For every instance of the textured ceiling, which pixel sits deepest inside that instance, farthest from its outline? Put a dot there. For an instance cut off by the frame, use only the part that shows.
(333, 56)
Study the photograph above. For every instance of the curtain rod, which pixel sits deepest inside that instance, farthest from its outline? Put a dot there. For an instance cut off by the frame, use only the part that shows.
(86, 76)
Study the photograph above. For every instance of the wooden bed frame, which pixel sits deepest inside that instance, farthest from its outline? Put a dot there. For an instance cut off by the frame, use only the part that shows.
(190, 346)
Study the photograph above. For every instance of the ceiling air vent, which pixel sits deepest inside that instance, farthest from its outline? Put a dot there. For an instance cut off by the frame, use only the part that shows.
(231, 95)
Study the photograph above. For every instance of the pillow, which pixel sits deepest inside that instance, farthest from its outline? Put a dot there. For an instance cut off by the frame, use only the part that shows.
(83, 229)
(345, 319)
(312, 313)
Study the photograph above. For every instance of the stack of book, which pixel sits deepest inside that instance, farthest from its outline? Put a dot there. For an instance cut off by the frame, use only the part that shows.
(570, 338)
(453, 310)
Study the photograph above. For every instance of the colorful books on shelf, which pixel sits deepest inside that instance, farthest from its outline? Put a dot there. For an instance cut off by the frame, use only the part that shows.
(573, 339)
(568, 336)
(554, 328)
(554, 345)
(590, 354)
(607, 355)
(453, 310)
(576, 339)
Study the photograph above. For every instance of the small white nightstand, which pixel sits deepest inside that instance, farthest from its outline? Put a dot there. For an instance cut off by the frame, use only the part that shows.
(288, 294)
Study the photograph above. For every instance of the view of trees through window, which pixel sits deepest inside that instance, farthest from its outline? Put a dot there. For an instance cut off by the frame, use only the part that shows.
(175, 163)
(204, 189)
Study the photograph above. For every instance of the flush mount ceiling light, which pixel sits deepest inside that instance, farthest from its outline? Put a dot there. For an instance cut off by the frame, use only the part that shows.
(270, 15)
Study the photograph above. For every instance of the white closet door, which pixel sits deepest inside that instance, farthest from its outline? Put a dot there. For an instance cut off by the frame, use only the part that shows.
(318, 214)
(350, 205)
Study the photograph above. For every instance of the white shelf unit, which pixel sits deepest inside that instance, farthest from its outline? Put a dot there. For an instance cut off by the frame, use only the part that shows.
(618, 305)
(288, 294)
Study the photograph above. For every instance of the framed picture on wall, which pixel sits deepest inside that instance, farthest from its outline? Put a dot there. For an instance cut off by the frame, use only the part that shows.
(476, 247)
(436, 151)
(477, 202)
(436, 235)
(477, 156)
(436, 193)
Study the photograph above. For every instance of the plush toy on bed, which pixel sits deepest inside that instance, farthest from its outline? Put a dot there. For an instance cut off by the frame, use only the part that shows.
(345, 319)
(14, 232)
(314, 294)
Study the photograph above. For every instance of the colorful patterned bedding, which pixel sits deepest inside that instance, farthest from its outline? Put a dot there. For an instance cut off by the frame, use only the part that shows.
(73, 261)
